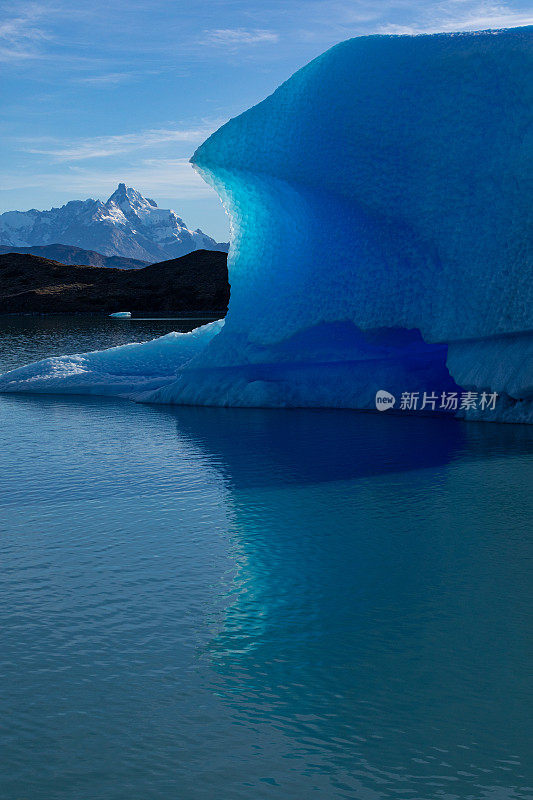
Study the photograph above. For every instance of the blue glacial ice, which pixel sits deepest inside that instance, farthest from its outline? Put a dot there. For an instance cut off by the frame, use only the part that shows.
(380, 211)
(124, 371)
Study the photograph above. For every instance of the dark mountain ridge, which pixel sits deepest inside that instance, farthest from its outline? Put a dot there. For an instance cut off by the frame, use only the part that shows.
(197, 281)
(69, 254)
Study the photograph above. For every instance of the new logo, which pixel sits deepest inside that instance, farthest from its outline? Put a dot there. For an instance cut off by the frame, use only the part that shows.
(384, 400)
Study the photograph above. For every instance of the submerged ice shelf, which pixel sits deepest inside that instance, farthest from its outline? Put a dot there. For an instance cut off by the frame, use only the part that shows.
(379, 209)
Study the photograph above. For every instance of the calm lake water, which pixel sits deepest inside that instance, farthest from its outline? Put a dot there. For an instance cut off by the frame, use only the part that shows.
(224, 603)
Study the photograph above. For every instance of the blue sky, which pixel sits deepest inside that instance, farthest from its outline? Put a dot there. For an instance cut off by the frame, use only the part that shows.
(126, 90)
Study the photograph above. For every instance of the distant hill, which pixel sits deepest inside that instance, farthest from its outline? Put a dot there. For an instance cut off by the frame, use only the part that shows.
(68, 254)
(195, 282)
(126, 225)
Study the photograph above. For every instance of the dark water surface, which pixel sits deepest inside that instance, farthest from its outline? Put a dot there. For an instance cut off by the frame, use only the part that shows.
(29, 337)
(225, 603)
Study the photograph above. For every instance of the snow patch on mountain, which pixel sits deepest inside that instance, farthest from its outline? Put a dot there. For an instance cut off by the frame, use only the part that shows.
(127, 225)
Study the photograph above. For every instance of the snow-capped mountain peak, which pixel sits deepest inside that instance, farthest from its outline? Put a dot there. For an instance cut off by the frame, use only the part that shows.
(130, 200)
(127, 224)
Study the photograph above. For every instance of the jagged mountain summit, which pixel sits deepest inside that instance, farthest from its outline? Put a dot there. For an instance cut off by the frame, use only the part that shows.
(127, 225)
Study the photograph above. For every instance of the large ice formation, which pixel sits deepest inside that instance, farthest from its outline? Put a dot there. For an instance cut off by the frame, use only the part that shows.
(379, 204)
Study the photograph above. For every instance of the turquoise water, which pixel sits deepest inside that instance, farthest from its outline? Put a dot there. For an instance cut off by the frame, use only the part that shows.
(225, 603)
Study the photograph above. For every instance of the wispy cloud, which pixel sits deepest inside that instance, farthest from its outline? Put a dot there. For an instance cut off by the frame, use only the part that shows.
(121, 144)
(461, 15)
(167, 177)
(235, 37)
(115, 78)
(107, 79)
(346, 18)
(20, 33)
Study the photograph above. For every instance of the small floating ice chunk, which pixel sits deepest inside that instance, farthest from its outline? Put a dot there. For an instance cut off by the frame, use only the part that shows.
(121, 314)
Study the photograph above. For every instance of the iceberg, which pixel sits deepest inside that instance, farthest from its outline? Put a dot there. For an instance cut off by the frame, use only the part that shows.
(124, 371)
(121, 314)
(380, 215)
